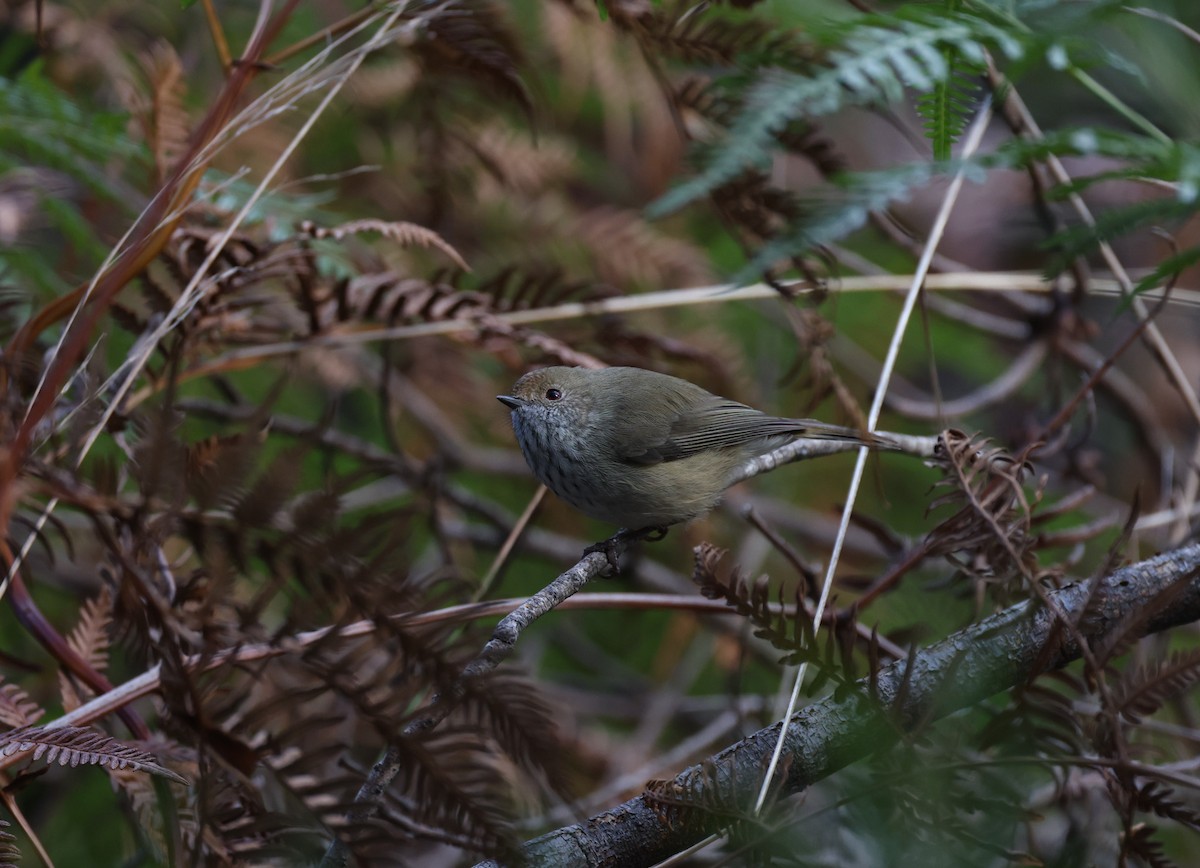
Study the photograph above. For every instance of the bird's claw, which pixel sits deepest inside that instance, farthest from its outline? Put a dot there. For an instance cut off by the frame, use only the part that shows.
(612, 547)
(610, 551)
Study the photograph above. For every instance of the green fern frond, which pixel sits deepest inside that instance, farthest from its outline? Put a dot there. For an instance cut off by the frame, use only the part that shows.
(46, 139)
(35, 274)
(878, 58)
(839, 211)
(944, 110)
(845, 206)
(1142, 157)
(40, 123)
(1087, 141)
(947, 108)
(1113, 223)
(1169, 268)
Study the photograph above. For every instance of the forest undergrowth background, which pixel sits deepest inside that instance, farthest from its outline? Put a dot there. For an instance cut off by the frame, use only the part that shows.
(265, 267)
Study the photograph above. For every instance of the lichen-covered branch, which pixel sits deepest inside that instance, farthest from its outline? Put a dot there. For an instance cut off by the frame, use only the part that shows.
(994, 655)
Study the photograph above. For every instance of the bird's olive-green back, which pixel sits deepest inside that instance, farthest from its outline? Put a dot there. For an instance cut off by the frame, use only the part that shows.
(645, 417)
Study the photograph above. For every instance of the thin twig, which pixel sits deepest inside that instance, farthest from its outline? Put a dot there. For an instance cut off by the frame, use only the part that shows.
(1027, 363)
(1004, 281)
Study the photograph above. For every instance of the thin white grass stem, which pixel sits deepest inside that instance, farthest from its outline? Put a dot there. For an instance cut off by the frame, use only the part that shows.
(190, 295)
(970, 145)
(720, 294)
(510, 542)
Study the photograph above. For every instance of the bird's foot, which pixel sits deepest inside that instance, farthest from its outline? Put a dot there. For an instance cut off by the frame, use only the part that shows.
(650, 534)
(612, 547)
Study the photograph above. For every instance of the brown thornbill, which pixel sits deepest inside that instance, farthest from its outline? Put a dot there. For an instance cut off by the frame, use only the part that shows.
(642, 449)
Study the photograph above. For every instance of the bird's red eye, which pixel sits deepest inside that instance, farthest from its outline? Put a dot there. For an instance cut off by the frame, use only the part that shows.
(553, 394)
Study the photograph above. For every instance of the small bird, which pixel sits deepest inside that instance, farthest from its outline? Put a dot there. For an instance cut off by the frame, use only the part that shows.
(641, 449)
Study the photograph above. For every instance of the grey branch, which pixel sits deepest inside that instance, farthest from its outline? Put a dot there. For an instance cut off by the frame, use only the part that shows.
(798, 450)
(989, 657)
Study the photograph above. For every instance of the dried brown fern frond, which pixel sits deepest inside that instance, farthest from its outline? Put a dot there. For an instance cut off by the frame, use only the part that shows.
(177, 472)
(397, 300)
(462, 810)
(758, 211)
(255, 528)
(789, 632)
(242, 300)
(708, 796)
(627, 251)
(394, 299)
(752, 600)
(755, 208)
(457, 789)
(517, 288)
(49, 534)
(451, 790)
(1158, 798)
(989, 537)
(596, 59)
(73, 745)
(142, 801)
(473, 39)
(518, 162)
(1139, 842)
(17, 709)
(336, 691)
(515, 713)
(403, 233)
(1142, 691)
(306, 712)
(90, 641)
(709, 38)
(240, 261)
(10, 855)
(161, 114)
(391, 298)
(250, 832)
(147, 808)
(1040, 721)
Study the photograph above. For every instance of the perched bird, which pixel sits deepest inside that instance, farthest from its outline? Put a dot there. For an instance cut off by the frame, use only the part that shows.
(642, 449)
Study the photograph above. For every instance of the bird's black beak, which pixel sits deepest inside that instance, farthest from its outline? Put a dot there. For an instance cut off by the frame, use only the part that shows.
(510, 402)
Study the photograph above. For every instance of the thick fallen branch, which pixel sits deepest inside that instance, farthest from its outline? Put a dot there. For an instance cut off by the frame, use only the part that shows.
(994, 655)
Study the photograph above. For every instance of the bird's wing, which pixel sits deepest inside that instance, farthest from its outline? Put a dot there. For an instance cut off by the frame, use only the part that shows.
(718, 425)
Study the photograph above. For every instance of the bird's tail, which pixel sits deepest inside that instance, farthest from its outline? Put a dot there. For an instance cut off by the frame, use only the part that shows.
(824, 431)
